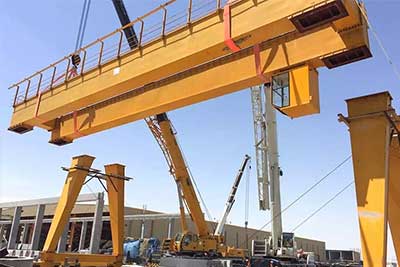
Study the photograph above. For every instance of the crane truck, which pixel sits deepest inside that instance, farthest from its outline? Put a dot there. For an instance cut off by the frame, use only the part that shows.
(201, 242)
(280, 248)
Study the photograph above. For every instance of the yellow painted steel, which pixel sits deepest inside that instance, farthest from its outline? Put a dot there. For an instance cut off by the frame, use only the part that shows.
(198, 43)
(370, 137)
(116, 193)
(202, 241)
(227, 75)
(76, 177)
(58, 259)
(182, 176)
(304, 92)
(69, 195)
(394, 193)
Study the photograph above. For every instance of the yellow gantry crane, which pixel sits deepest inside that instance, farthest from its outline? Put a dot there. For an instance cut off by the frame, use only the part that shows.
(236, 45)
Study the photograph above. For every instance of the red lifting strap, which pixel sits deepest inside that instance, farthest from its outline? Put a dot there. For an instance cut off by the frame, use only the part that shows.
(76, 128)
(227, 28)
(257, 60)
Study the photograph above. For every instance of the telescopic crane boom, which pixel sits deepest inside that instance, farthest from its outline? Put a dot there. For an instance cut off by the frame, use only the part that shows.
(231, 199)
(181, 173)
(202, 242)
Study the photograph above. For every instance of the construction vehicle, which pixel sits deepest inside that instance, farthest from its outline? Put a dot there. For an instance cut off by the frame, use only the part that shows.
(202, 242)
(269, 171)
(280, 246)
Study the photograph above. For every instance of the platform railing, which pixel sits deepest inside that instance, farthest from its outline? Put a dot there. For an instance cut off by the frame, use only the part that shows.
(112, 46)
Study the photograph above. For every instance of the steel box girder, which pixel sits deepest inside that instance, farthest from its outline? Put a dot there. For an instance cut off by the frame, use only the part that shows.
(211, 80)
(202, 41)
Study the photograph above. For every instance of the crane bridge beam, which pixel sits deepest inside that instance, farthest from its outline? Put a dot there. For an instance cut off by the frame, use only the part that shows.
(202, 40)
(226, 75)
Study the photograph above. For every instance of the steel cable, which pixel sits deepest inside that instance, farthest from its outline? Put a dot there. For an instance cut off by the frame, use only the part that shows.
(302, 195)
(323, 206)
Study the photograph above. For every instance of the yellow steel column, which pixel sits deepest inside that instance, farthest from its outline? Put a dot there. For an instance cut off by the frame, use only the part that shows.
(116, 193)
(370, 135)
(394, 194)
(72, 187)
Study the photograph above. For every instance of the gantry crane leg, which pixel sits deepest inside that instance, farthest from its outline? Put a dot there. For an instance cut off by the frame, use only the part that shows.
(372, 125)
(116, 189)
(69, 195)
(77, 173)
(394, 193)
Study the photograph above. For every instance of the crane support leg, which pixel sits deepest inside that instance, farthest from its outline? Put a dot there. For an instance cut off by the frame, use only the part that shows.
(69, 195)
(372, 124)
(77, 173)
(394, 193)
(116, 189)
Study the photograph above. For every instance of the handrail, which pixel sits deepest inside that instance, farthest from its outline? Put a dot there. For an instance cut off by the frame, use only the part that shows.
(86, 64)
(97, 41)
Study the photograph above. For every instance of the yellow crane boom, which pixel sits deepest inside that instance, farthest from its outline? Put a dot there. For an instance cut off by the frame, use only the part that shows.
(179, 171)
(202, 242)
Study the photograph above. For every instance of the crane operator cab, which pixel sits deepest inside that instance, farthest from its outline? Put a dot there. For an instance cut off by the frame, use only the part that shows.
(286, 246)
(190, 244)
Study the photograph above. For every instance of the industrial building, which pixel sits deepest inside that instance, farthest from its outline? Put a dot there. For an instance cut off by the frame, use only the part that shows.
(83, 235)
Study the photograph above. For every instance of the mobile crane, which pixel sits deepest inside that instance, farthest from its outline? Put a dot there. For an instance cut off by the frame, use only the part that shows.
(281, 244)
(202, 242)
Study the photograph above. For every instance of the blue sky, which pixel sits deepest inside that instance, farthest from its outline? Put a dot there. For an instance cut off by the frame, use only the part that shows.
(214, 135)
